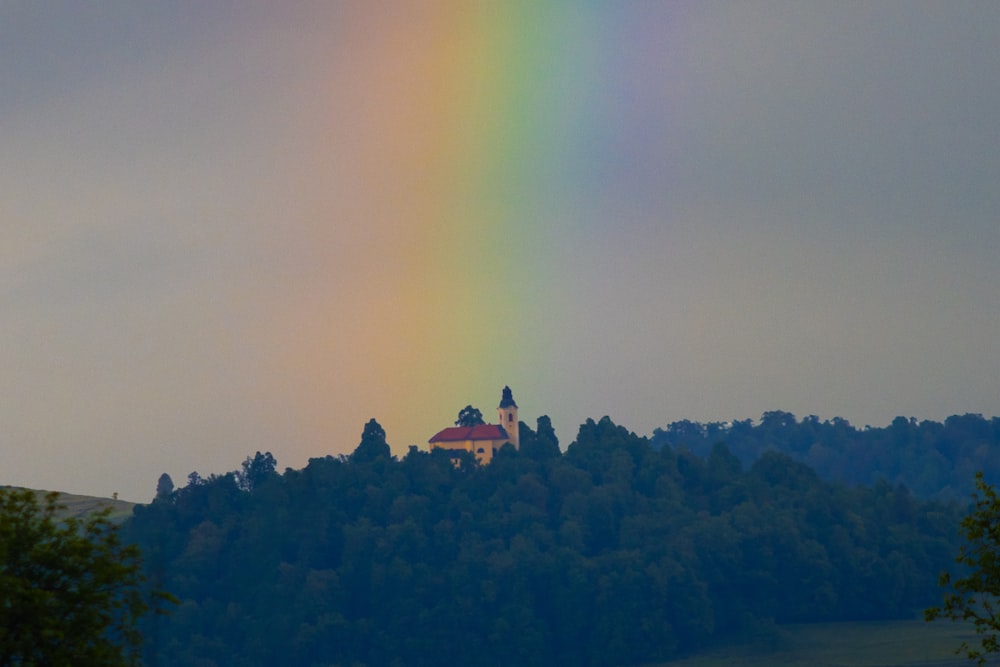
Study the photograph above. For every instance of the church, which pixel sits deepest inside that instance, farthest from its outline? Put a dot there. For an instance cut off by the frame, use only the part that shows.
(483, 440)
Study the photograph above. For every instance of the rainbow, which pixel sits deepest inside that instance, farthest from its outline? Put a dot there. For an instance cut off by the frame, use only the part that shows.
(461, 146)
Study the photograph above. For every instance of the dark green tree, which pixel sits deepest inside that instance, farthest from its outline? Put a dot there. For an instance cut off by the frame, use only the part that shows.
(70, 591)
(975, 597)
(469, 416)
(255, 470)
(540, 445)
(164, 487)
(373, 444)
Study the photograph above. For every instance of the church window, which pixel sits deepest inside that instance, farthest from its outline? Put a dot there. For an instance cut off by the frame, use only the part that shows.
(479, 451)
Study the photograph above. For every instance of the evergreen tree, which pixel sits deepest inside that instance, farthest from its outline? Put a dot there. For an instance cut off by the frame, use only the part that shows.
(373, 444)
(164, 487)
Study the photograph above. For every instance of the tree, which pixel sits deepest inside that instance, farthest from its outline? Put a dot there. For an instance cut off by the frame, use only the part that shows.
(373, 444)
(255, 470)
(469, 416)
(976, 596)
(70, 590)
(540, 445)
(164, 487)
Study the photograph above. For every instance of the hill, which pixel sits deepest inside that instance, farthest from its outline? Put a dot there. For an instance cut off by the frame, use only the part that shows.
(931, 459)
(77, 505)
(612, 553)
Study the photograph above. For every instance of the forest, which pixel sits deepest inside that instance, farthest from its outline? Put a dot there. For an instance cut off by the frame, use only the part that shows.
(612, 552)
(932, 459)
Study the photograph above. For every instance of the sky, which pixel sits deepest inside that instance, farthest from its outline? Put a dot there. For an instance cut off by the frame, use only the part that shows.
(232, 227)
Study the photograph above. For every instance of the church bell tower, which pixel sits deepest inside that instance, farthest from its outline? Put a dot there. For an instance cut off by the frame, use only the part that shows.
(507, 412)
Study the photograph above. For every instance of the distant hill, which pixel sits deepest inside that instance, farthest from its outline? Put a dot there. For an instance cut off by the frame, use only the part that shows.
(79, 506)
(931, 459)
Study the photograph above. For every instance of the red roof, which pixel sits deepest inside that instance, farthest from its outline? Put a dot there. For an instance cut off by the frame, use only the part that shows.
(462, 433)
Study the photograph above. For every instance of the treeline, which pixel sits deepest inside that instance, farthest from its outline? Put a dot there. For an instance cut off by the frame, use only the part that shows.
(932, 459)
(613, 553)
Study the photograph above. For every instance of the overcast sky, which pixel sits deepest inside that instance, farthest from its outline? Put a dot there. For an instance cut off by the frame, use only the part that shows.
(230, 227)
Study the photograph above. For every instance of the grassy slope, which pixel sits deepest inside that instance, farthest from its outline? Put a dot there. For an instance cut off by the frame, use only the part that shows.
(874, 644)
(82, 505)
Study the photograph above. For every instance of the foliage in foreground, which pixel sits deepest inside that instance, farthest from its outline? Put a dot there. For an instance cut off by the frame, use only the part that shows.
(613, 553)
(70, 589)
(975, 597)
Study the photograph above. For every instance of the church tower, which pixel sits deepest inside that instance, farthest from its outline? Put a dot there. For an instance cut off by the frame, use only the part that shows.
(507, 412)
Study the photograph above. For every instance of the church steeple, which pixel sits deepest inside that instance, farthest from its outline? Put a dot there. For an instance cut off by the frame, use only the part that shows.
(507, 412)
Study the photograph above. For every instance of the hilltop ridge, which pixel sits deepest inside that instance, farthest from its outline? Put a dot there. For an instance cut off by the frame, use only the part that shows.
(78, 505)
